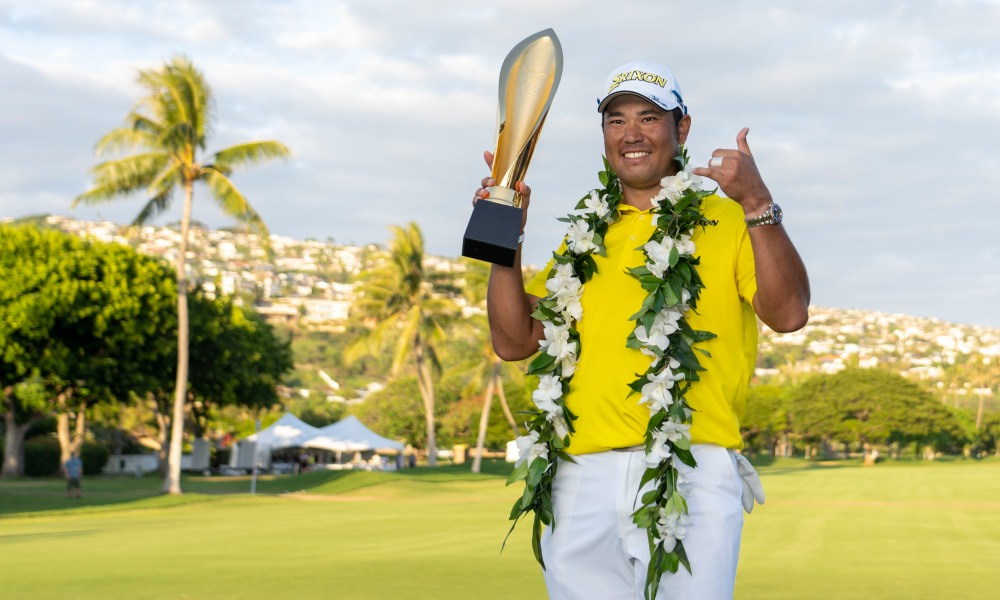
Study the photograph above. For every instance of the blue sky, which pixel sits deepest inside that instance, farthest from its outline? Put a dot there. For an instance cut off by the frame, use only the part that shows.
(873, 123)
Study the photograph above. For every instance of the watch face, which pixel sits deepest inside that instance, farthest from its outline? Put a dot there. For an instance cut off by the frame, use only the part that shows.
(776, 213)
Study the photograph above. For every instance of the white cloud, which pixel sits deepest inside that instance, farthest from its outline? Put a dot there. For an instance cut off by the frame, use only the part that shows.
(870, 121)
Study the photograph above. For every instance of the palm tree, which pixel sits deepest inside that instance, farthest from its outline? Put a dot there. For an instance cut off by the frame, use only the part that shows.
(167, 130)
(486, 364)
(398, 302)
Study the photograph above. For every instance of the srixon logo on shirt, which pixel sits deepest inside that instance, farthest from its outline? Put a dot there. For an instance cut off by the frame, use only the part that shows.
(637, 76)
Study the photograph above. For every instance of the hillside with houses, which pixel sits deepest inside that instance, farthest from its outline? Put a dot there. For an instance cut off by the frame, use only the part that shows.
(309, 283)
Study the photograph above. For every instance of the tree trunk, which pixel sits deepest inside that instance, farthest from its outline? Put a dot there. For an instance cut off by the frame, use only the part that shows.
(172, 482)
(13, 451)
(427, 393)
(162, 428)
(484, 421)
(505, 406)
(69, 443)
(869, 453)
(979, 415)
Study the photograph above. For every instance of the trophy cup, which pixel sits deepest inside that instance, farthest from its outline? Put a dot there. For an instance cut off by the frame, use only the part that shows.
(529, 78)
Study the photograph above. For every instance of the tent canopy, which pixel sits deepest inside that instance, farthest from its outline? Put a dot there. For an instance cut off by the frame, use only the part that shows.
(350, 435)
(287, 432)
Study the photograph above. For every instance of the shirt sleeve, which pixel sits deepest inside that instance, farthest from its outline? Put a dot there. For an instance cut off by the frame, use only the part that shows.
(536, 287)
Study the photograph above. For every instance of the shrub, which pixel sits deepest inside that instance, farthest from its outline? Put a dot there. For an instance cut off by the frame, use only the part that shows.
(94, 457)
(41, 457)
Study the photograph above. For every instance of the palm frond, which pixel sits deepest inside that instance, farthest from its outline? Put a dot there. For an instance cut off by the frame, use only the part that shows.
(156, 205)
(180, 138)
(167, 179)
(233, 202)
(249, 153)
(196, 96)
(178, 94)
(145, 124)
(409, 337)
(123, 138)
(432, 357)
(122, 177)
(374, 341)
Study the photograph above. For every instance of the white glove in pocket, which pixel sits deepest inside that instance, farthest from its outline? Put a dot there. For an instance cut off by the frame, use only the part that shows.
(752, 488)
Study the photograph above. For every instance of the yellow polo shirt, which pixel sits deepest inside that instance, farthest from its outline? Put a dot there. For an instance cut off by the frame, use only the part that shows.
(606, 417)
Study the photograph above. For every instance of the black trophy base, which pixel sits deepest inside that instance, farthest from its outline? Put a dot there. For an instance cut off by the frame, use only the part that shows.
(492, 233)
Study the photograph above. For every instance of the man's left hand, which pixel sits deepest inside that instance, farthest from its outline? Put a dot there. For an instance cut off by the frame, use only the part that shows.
(736, 173)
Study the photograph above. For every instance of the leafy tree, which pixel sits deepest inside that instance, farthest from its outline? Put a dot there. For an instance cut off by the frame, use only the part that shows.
(987, 439)
(394, 411)
(398, 304)
(168, 129)
(80, 323)
(765, 420)
(24, 404)
(237, 360)
(871, 408)
(316, 411)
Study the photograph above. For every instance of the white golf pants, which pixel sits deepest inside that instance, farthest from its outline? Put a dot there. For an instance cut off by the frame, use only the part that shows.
(595, 552)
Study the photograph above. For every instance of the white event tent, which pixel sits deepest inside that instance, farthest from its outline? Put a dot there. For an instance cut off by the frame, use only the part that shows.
(350, 435)
(287, 432)
(346, 435)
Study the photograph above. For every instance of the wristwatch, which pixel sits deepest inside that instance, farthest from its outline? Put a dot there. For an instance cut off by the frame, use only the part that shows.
(771, 216)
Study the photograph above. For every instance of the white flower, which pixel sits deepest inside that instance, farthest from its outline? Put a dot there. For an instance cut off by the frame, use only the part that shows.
(549, 389)
(658, 198)
(557, 343)
(567, 364)
(696, 181)
(672, 527)
(570, 306)
(654, 338)
(567, 290)
(545, 395)
(656, 392)
(558, 423)
(529, 449)
(660, 450)
(684, 485)
(580, 237)
(563, 281)
(659, 255)
(674, 432)
(665, 322)
(684, 245)
(674, 186)
(597, 204)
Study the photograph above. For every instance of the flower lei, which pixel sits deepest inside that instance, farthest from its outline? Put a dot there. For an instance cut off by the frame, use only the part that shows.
(661, 332)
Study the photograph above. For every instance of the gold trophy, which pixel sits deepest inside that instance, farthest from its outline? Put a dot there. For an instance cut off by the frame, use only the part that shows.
(529, 78)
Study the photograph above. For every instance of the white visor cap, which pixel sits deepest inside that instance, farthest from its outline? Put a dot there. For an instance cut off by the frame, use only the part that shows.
(648, 80)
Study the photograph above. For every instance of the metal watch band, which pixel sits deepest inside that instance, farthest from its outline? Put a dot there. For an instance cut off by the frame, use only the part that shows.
(770, 216)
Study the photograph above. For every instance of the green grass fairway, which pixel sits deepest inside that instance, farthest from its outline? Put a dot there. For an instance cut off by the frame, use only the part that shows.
(892, 531)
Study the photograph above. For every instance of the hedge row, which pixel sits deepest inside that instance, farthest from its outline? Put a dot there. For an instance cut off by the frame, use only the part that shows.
(41, 457)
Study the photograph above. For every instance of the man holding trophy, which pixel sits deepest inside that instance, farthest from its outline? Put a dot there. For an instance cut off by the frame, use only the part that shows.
(635, 484)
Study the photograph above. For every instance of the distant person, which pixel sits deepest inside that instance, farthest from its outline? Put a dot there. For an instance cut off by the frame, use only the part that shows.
(302, 463)
(74, 473)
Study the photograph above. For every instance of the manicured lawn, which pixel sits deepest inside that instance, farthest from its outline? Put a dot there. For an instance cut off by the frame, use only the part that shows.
(892, 531)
